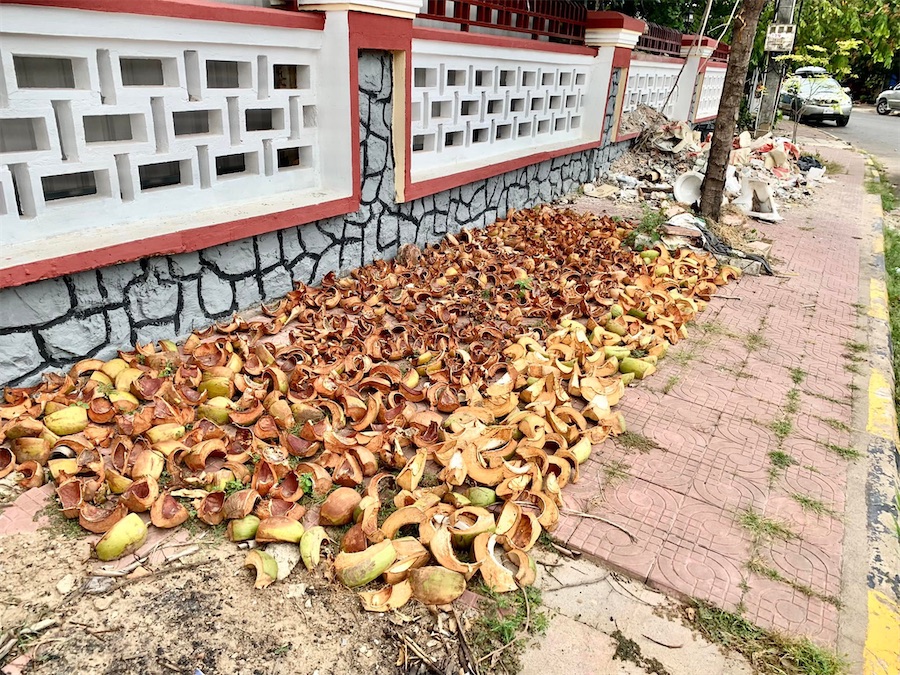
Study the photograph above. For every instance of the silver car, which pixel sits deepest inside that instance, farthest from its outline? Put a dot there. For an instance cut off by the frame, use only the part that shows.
(888, 101)
(812, 94)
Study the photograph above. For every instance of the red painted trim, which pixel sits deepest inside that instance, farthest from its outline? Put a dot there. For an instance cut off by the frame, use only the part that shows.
(434, 185)
(373, 31)
(704, 119)
(615, 20)
(200, 10)
(697, 41)
(183, 241)
(639, 57)
(627, 137)
(621, 57)
(441, 35)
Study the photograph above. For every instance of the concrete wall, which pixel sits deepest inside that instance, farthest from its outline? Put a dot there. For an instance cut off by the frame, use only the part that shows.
(53, 323)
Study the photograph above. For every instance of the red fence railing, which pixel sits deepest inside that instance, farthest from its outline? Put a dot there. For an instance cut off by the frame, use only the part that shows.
(721, 52)
(558, 20)
(660, 40)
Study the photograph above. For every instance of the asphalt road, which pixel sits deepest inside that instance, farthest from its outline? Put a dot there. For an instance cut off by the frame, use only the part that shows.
(874, 133)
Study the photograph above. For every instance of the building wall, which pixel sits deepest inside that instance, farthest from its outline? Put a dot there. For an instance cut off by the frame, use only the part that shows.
(56, 322)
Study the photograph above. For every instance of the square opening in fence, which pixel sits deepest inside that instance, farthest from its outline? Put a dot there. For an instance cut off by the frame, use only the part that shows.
(291, 76)
(107, 128)
(507, 78)
(223, 74)
(142, 72)
(191, 122)
(299, 157)
(456, 78)
(537, 104)
(481, 135)
(517, 105)
(494, 107)
(543, 126)
(524, 130)
(565, 78)
(559, 124)
(576, 122)
(547, 79)
(423, 143)
(69, 185)
(44, 72)
(571, 101)
(441, 110)
(264, 119)
(159, 175)
(23, 134)
(231, 164)
(555, 102)
(529, 78)
(503, 132)
(310, 117)
(425, 77)
(580, 78)
(468, 108)
(453, 138)
(484, 78)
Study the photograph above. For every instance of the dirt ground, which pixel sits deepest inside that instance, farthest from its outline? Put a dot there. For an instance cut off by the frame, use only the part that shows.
(204, 615)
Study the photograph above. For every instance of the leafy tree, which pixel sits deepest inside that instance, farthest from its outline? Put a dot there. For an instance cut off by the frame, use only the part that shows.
(875, 24)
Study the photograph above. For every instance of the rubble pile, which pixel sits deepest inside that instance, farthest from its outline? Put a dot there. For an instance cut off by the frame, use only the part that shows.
(410, 424)
(668, 161)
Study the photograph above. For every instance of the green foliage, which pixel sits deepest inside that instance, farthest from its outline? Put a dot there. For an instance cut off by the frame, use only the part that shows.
(647, 233)
(233, 486)
(844, 30)
(892, 263)
(508, 620)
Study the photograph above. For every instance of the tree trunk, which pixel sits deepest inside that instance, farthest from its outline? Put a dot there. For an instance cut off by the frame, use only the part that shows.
(732, 92)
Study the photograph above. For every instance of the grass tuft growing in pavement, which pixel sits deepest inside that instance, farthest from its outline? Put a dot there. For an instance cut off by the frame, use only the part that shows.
(836, 424)
(812, 504)
(892, 264)
(797, 375)
(770, 653)
(781, 459)
(781, 428)
(764, 528)
(842, 451)
(759, 567)
(883, 189)
(631, 440)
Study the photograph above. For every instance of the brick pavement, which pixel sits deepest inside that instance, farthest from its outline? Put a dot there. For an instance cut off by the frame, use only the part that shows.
(713, 409)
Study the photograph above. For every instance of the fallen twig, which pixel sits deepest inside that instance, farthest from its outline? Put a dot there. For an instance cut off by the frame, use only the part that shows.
(728, 297)
(466, 650)
(422, 655)
(582, 514)
(156, 574)
(566, 552)
(576, 584)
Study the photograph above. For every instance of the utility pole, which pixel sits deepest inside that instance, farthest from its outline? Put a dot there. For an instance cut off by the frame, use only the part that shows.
(784, 16)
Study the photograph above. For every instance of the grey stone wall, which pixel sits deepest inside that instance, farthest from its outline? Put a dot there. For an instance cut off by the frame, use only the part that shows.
(53, 323)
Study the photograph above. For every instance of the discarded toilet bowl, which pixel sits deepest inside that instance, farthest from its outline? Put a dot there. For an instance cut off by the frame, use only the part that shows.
(687, 187)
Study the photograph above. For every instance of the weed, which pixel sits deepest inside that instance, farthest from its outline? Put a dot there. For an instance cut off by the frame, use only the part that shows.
(793, 402)
(629, 650)
(812, 504)
(883, 189)
(856, 347)
(58, 525)
(853, 387)
(646, 234)
(759, 567)
(781, 459)
(523, 284)
(852, 368)
(168, 370)
(831, 166)
(771, 653)
(631, 440)
(781, 428)
(755, 341)
(281, 650)
(842, 451)
(764, 528)
(683, 356)
(486, 294)
(670, 383)
(233, 486)
(508, 618)
(835, 424)
(797, 375)
(615, 472)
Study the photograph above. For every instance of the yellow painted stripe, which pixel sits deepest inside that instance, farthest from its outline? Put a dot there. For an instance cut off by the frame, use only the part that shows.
(878, 243)
(882, 652)
(881, 408)
(878, 303)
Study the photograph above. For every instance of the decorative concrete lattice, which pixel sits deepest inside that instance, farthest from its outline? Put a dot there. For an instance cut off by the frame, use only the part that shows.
(710, 93)
(652, 83)
(175, 118)
(468, 109)
(53, 323)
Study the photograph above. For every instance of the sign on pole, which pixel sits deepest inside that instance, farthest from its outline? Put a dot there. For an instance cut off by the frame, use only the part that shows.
(780, 37)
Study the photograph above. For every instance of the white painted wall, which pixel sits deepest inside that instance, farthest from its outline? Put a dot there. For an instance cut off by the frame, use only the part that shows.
(114, 99)
(476, 105)
(650, 83)
(710, 92)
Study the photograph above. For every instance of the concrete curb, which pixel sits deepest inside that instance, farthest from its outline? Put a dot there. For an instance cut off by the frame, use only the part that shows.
(879, 435)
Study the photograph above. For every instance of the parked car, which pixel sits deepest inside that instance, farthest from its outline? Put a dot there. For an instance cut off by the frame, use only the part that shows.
(812, 94)
(888, 100)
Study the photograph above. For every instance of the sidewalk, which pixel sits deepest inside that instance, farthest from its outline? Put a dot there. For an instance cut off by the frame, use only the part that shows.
(737, 480)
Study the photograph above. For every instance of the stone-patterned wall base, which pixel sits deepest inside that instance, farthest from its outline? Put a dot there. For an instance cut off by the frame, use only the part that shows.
(53, 323)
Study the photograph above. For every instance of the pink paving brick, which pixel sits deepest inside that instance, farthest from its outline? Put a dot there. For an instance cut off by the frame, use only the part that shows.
(714, 527)
(773, 604)
(817, 529)
(695, 572)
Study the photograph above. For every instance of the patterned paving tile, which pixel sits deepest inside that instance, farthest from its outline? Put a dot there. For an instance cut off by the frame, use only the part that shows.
(696, 572)
(772, 604)
(819, 530)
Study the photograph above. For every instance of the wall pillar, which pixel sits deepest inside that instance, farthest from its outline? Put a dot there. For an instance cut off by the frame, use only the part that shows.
(696, 50)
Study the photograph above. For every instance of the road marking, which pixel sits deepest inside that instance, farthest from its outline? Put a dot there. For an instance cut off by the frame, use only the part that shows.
(878, 243)
(878, 300)
(881, 655)
(881, 408)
